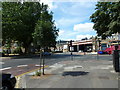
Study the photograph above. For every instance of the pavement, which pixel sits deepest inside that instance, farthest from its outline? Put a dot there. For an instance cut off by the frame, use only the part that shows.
(75, 74)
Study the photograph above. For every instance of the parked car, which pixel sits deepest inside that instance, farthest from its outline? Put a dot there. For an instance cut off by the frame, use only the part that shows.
(102, 52)
(46, 54)
(8, 81)
(109, 50)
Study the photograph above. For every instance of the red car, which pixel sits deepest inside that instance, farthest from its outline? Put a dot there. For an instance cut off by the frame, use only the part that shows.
(111, 48)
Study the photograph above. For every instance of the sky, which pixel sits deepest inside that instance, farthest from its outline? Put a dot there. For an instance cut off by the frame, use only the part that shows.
(73, 18)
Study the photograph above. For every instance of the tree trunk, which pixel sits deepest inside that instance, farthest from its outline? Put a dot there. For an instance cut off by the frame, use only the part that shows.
(26, 49)
(27, 43)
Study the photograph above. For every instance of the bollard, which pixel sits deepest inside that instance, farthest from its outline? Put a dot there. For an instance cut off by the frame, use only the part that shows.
(116, 60)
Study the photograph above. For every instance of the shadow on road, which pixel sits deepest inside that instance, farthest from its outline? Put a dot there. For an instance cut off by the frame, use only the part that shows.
(74, 73)
(19, 89)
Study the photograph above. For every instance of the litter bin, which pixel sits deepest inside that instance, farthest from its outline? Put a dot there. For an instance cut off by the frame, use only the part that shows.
(116, 58)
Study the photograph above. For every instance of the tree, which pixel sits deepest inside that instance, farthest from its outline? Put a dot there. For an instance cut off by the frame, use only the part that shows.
(106, 18)
(19, 21)
(45, 31)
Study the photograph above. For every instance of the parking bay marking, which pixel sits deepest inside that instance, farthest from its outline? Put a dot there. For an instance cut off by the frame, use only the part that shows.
(22, 65)
(5, 68)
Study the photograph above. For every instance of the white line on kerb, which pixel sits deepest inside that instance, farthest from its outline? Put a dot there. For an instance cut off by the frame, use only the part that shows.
(22, 65)
(5, 68)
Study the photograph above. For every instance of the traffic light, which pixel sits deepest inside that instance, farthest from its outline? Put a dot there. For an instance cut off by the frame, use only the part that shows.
(70, 42)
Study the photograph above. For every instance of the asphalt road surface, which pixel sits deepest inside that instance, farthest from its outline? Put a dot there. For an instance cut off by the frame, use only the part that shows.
(51, 59)
(77, 71)
(80, 72)
(19, 65)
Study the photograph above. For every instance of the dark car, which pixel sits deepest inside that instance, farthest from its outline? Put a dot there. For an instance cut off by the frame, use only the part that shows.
(8, 81)
(46, 54)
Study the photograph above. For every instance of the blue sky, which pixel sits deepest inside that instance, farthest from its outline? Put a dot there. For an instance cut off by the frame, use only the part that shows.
(72, 19)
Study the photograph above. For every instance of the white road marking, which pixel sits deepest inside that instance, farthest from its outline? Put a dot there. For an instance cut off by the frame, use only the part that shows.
(2, 63)
(110, 66)
(78, 66)
(5, 68)
(22, 65)
(112, 71)
(104, 68)
(52, 66)
(107, 67)
(39, 65)
(56, 65)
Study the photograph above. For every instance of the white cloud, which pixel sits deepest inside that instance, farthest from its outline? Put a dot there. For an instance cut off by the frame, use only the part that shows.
(73, 35)
(85, 27)
(79, 37)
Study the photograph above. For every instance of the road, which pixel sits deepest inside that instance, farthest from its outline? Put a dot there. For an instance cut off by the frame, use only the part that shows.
(77, 71)
(22, 64)
(19, 65)
(82, 72)
(50, 59)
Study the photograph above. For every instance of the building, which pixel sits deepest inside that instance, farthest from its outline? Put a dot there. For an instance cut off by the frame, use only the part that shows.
(78, 46)
(83, 45)
(60, 45)
(116, 36)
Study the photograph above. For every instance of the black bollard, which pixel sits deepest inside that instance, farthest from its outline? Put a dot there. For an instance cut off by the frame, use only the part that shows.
(116, 60)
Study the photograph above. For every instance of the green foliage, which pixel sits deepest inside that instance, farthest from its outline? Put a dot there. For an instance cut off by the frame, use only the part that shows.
(106, 18)
(20, 22)
(45, 31)
(17, 50)
(37, 73)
